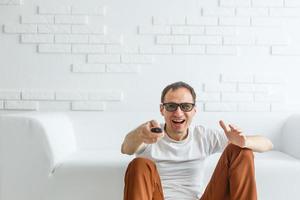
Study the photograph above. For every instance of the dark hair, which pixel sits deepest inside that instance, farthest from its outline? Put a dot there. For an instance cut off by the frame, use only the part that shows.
(175, 86)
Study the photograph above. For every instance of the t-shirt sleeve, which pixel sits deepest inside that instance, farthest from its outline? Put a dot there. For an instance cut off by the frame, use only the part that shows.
(212, 140)
(142, 150)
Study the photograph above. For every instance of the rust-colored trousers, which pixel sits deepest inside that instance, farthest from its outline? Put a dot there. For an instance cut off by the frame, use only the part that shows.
(233, 178)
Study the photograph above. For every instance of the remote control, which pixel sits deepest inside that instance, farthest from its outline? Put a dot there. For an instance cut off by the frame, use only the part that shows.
(156, 130)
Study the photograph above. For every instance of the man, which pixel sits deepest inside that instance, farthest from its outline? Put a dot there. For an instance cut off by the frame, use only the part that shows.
(168, 164)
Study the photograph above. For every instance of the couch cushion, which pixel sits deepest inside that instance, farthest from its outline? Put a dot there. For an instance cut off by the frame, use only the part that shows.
(93, 174)
(274, 171)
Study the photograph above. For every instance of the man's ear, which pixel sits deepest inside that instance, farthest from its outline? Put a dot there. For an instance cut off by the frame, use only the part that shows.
(161, 108)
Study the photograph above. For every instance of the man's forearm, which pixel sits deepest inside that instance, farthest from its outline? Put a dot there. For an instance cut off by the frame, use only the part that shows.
(258, 143)
(131, 143)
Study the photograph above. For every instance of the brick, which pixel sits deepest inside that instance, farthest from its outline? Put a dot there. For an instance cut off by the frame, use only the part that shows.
(1, 105)
(282, 107)
(20, 28)
(151, 30)
(54, 106)
(172, 39)
(210, 96)
(239, 40)
(191, 49)
(221, 50)
(274, 39)
(111, 39)
(21, 105)
(88, 29)
(87, 48)
(88, 106)
(71, 95)
(37, 38)
(234, 21)
(54, 48)
(118, 49)
(292, 3)
(38, 95)
(285, 50)
(220, 87)
(285, 12)
(88, 68)
(89, 10)
(174, 20)
(54, 9)
(258, 12)
(218, 12)
(220, 30)
(104, 58)
(187, 30)
(122, 68)
(253, 50)
(272, 97)
(37, 19)
(205, 21)
(246, 87)
(54, 28)
(254, 107)
(265, 78)
(71, 38)
(243, 78)
(67, 19)
(155, 49)
(208, 3)
(10, 95)
(267, 21)
(220, 107)
(235, 3)
(236, 97)
(11, 2)
(267, 3)
(106, 96)
(137, 59)
(206, 40)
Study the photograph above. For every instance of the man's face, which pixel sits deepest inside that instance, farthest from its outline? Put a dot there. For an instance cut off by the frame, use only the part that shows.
(177, 122)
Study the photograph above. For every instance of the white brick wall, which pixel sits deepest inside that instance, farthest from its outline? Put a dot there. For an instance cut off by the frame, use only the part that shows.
(94, 44)
(21, 105)
(11, 2)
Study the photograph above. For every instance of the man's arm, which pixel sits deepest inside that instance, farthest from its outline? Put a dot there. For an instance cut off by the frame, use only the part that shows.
(256, 142)
(140, 136)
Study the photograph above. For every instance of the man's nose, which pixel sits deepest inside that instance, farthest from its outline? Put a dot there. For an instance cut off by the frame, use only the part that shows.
(178, 111)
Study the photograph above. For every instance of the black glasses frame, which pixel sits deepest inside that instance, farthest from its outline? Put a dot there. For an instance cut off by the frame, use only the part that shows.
(181, 105)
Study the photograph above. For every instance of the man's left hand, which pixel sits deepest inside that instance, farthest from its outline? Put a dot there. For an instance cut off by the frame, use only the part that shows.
(234, 134)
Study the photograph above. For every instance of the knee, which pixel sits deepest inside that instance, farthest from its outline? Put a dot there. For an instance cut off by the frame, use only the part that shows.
(140, 164)
(244, 153)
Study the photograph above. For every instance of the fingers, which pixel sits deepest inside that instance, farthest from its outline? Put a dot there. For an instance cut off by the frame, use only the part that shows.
(224, 127)
(147, 135)
(154, 123)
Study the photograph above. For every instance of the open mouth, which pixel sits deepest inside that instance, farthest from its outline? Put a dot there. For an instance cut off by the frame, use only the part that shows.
(178, 121)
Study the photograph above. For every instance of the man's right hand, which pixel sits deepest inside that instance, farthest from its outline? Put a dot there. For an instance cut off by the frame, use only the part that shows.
(146, 135)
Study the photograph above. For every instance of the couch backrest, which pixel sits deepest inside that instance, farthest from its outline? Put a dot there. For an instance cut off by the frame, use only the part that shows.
(106, 130)
(290, 136)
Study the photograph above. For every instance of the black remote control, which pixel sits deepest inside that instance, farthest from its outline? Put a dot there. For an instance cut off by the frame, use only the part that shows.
(156, 130)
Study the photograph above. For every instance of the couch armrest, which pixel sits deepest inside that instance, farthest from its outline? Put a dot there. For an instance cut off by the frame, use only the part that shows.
(290, 136)
(31, 145)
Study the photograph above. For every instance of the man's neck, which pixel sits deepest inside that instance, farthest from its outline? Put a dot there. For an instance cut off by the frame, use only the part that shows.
(176, 136)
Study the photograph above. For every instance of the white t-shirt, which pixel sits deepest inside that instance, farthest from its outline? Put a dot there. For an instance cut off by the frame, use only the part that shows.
(180, 163)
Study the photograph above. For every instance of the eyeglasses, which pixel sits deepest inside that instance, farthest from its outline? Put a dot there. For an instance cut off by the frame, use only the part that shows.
(185, 107)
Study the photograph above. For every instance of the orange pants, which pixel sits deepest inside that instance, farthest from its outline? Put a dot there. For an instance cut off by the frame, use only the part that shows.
(233, 178)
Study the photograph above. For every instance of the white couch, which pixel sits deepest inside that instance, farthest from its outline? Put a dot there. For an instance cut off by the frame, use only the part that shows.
(76, 156)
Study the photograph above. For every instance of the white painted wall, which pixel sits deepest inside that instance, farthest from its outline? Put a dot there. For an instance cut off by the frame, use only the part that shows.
(113, 55)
